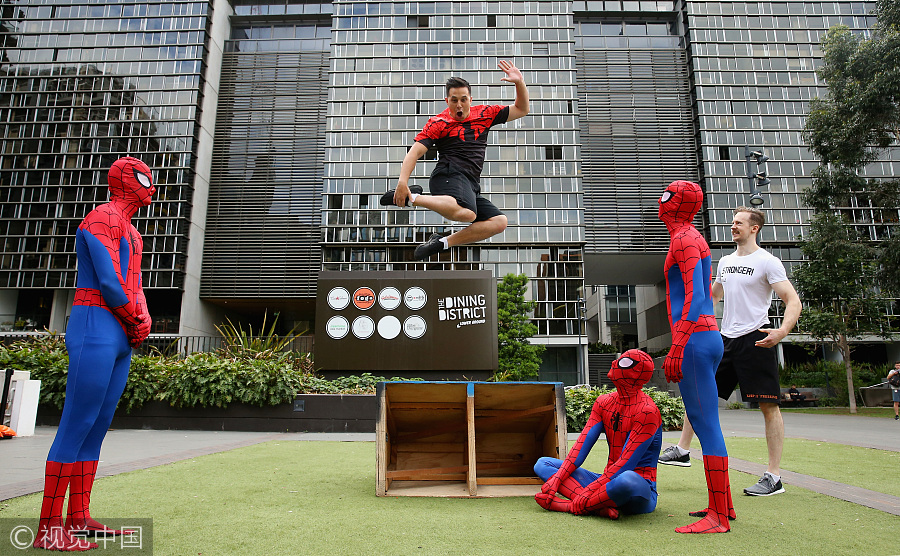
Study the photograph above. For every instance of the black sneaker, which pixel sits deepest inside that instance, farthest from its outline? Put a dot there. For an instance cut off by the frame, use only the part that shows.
(896, 417)
(429, 248)
(765, 487)
(670, 456)
(388, 198)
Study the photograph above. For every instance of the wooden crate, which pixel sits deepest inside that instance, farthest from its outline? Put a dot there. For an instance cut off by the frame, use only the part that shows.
(428, 433)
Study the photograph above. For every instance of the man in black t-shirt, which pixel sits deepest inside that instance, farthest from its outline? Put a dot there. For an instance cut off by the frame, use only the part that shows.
(459, 134)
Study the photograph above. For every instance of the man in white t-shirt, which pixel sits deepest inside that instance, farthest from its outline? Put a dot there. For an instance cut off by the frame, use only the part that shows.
(746, 280)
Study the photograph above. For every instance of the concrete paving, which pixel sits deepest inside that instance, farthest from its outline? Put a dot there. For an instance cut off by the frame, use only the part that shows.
(22, 459)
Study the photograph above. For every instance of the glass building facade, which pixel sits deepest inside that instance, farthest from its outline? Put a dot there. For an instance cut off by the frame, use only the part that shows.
(268, 157)
(82, 84)
(314, 105)
(754, 73)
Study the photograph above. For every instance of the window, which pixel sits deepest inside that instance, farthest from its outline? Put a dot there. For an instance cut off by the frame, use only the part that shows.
(554, 152)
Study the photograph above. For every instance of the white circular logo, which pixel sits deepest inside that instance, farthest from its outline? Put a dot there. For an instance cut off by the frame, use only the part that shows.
(389, 298)
(338, 298)
(363, 327)
(415, 298)
(414, 327)
(389, 327)
(337, 327)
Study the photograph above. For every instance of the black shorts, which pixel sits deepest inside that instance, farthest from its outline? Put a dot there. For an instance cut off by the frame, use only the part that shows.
(447, 181)
(754, 368)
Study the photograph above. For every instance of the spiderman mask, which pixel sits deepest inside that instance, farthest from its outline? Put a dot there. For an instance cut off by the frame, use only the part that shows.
(680, 202)
(130, 180)
(631, 371)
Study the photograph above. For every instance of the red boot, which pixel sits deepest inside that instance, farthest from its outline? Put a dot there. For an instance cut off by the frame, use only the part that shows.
(78, 516)
(51, 534)
(720, 506)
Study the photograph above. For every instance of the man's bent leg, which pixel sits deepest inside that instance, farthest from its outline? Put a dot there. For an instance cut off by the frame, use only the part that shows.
(774, 435)
(477, 231)
(446, 206)
(632, 493)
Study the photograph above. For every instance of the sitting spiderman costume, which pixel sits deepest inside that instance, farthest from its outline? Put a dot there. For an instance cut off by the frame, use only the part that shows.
(696, 346)
(633, 428)
(109, 317)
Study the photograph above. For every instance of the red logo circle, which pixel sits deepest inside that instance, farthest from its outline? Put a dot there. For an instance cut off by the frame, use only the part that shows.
(364, 298)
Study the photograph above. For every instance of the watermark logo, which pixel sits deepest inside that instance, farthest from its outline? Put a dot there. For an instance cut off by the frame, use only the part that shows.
(19, 534)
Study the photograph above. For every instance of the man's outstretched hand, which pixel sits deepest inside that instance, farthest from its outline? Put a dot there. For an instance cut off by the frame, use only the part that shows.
(513, 75)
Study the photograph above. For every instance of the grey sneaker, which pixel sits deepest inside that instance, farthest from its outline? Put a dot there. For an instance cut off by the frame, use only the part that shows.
(670, 456)
(429, 248)
(765, 487)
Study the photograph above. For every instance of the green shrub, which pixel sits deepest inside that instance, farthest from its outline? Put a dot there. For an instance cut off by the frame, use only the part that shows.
(600, 347)
(832, 376)
(580, 400)
(354, 384)
(257, 374)
(45, 357)
(147, 377)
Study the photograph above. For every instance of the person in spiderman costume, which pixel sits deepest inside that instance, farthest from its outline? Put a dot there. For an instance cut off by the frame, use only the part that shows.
(459, 134)
(696, 346)
(633, 428)
(109, 317)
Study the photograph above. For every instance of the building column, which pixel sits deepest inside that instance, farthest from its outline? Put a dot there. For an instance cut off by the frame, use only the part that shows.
(198, 318)
(9, 301)
(61, 309)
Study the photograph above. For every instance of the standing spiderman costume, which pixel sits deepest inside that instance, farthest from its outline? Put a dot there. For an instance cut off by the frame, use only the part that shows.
(109, 317)
(696, 345)
(633, 428)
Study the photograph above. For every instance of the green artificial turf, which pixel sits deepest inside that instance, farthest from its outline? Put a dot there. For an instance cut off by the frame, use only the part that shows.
(291, 497)
(852, 465)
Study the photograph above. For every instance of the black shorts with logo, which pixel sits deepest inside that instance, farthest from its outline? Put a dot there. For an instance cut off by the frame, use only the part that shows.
(445, 180)
(754, 368)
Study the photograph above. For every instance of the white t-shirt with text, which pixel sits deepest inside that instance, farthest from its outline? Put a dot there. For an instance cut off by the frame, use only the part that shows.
(747, 283)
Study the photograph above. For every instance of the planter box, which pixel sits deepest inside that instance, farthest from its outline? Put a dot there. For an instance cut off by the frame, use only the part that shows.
(308, 413)
(876, 396)
(466, 439)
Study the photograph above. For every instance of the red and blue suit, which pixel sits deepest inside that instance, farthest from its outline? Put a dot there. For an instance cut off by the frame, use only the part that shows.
(633, 428)
(109, 317)
(696, 344)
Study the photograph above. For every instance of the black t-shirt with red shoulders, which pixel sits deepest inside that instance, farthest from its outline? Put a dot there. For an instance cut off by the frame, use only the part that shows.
(462, 144)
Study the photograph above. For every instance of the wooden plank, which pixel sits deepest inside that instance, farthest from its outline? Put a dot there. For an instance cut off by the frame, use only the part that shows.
(512, 396)
(561, 436)
(427, 391)
(433, 447)
(515, 415)
(430, 460)
(420, 406)
(441, 477)
(450, 427)
(470, 437)
(429, 471)
(510, 481)
(382, 451)
(437, 489)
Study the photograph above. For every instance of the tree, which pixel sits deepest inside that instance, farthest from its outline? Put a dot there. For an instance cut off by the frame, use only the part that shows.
(852, 259)
(831, 281)
(517, 358)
